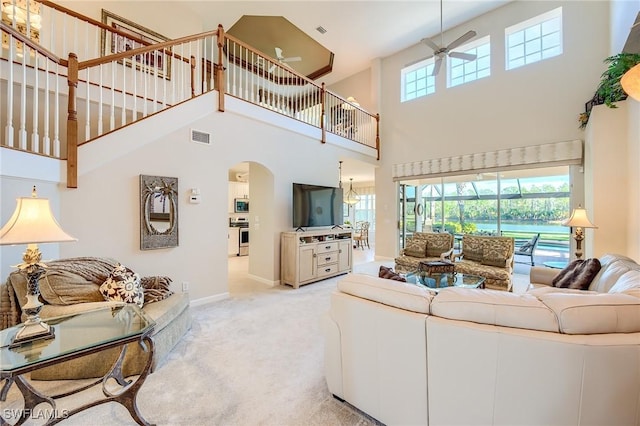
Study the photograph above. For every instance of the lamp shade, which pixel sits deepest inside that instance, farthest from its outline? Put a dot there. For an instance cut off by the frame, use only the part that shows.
(579, 219)
(352, 196)
(352, 103)
(31, 223)
(630, 82)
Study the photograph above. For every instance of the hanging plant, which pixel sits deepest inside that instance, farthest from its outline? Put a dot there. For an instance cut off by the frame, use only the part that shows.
(609, 89)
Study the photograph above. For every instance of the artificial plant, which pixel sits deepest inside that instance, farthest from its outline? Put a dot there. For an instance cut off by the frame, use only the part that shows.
(609, 89)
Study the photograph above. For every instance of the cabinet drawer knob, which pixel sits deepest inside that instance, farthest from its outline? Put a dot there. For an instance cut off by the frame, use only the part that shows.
(327, 247)
(327, 258)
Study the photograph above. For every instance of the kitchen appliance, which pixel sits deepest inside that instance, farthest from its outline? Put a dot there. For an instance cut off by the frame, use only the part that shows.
(241, 205)
(243, 240)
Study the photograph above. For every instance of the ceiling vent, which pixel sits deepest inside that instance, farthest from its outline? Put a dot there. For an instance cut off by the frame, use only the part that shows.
(321, 30)
(200, 137)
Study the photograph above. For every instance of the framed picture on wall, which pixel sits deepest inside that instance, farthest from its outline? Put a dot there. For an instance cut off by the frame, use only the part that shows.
(132, 36)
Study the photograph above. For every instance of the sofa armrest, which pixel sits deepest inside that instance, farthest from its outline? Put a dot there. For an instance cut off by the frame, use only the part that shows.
(447, 256)
(457, 256)
(542, 275)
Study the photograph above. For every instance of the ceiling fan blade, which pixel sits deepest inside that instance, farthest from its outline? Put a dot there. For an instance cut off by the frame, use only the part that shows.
(278, 53)
(461, 40)
(271, 68)
(292, 59)
(430, 43)
(436, 66)
(463, 56)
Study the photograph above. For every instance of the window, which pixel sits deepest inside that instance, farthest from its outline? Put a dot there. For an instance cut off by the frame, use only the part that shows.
(417, 80)
(534, 40)
(365, 210)
(461, 71)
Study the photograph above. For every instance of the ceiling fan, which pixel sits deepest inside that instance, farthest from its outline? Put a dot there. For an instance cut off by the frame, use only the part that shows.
(281, 59)
(441, 51)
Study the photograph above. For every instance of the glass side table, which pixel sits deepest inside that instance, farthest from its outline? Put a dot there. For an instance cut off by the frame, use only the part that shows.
(77, 335)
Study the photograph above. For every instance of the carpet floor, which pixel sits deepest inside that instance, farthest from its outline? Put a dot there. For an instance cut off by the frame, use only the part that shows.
(253, 359)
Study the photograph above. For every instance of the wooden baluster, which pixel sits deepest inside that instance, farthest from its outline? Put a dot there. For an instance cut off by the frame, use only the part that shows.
(322, 113)
(72, 123)
(220, 69)
(192, 63)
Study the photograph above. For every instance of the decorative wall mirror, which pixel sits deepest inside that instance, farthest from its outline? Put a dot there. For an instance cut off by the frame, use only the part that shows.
(158, 212)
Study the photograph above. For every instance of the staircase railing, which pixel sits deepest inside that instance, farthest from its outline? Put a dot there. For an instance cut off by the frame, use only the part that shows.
(106, 92)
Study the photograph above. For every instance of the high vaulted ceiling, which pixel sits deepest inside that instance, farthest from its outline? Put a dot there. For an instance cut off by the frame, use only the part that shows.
(356, 31)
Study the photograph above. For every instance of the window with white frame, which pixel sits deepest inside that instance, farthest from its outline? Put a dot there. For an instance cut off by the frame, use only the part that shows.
(533, 40)
(365, 210)
(461, 71)
(417, 81)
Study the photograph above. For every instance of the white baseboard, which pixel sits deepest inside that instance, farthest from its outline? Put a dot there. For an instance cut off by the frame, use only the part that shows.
(270, 283)
(209, 299)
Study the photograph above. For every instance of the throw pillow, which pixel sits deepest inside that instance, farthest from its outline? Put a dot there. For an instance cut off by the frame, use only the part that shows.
(578, 274)
(123, 285)
(416, 248)
(388, 273)
(472, 248)
(494, 256)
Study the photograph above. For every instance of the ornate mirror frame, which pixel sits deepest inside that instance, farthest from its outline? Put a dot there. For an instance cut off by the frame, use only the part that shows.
(158, 212)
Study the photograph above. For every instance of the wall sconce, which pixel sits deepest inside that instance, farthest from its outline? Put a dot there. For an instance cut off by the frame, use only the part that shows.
(579, 220)
(32, 222)
(630, 82)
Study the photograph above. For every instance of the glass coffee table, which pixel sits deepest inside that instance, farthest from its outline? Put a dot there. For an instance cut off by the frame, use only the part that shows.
(76, 336)
(438, 281)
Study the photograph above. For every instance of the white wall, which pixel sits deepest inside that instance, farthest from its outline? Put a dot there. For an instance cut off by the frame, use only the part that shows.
(623, 15)
(531, 105)
(104, 212)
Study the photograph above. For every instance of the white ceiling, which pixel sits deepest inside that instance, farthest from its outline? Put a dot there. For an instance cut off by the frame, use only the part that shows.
(357, 32)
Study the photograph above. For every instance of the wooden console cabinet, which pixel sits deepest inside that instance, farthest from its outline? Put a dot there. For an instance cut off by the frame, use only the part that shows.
(310, 256)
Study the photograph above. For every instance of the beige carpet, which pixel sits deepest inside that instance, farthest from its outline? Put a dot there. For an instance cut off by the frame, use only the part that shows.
(253, 359)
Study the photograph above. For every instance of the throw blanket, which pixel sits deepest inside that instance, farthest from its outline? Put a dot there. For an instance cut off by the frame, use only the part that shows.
(93, 269)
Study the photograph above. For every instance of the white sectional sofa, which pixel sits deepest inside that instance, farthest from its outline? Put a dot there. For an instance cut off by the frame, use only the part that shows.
(550, 356)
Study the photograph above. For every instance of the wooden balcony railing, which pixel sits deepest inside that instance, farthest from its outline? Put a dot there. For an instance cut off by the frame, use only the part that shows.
(106, 92)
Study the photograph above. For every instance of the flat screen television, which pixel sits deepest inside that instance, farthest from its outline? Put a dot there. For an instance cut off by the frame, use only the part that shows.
(315, 205)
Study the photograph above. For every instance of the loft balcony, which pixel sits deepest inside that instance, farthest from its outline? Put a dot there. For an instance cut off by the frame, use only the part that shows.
(66, 88)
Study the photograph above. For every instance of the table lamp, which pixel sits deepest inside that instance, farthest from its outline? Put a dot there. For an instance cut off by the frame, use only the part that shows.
(31, 223)
(579, 220)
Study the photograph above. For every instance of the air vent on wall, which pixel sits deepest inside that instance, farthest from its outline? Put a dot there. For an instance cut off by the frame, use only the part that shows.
(200, 137)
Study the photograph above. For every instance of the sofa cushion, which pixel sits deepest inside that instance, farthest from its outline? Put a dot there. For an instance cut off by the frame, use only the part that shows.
(415, 247)
(495, 308)
(59, 287)
(597, 313)
(495, 255)
(438, 243)
(613, 267)
(389, 274)
(578, 274)
(123, 285)
(392, 293)
(472, 248)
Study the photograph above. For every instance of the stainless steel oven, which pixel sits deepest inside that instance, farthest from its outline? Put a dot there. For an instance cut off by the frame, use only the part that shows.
(244, 241)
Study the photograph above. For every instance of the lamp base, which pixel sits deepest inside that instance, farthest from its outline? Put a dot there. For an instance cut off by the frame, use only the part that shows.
(31, 332)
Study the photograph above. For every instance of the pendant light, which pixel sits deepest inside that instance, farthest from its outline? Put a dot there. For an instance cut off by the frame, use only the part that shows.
(352, 196)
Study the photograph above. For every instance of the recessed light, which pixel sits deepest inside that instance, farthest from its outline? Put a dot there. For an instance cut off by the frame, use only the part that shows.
(321, 30)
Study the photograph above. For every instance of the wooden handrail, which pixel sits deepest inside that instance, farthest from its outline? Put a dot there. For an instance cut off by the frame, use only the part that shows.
(72, 123)
(92, 21)
(141, 50)
(32, 45)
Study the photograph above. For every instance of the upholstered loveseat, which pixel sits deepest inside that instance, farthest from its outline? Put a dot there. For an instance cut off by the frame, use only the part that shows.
(406, 355)
(424, 247)
(488, 256)
(73, 285)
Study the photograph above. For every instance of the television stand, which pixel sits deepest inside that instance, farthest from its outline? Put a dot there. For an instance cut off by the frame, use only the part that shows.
(314, 255)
